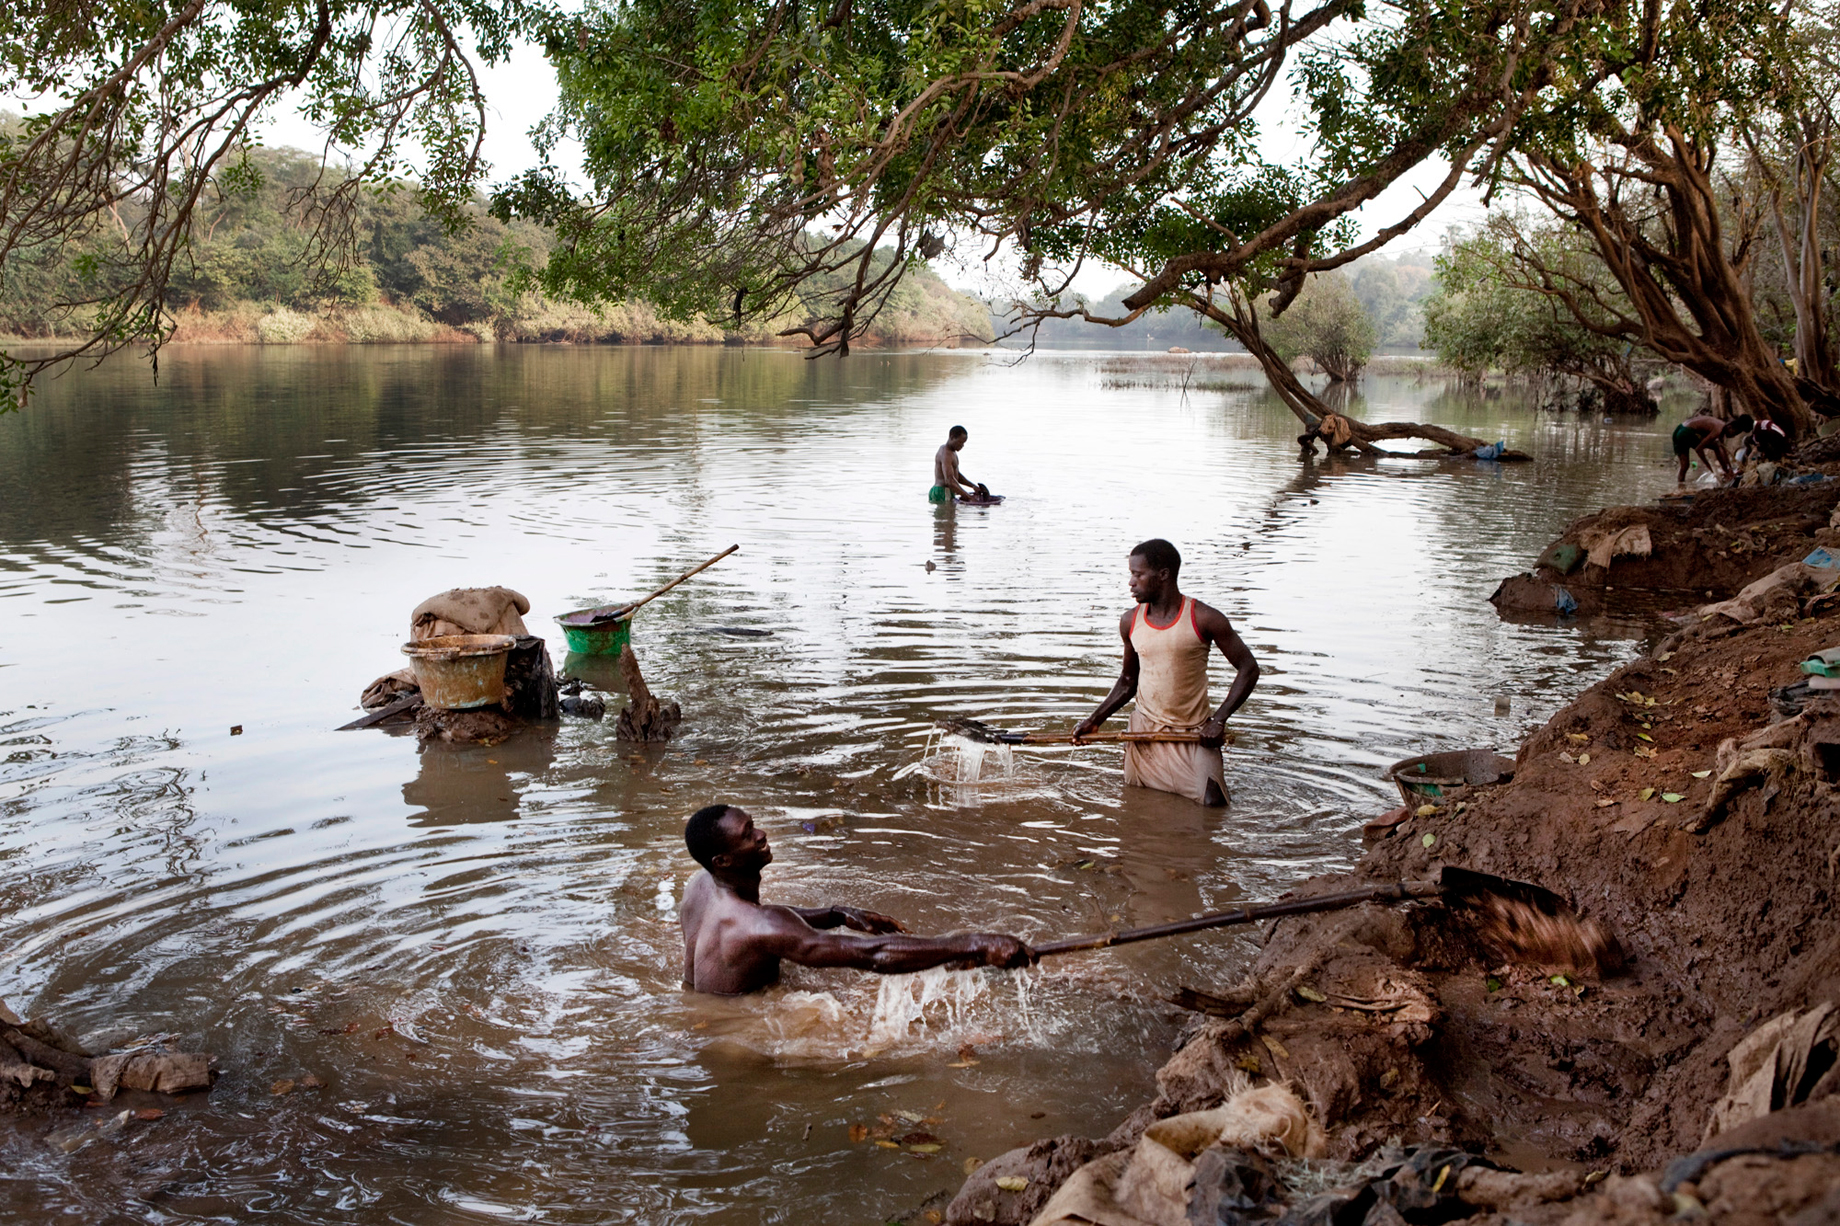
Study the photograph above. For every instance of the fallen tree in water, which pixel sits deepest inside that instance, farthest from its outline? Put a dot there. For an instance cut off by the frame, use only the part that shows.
(41, 1069)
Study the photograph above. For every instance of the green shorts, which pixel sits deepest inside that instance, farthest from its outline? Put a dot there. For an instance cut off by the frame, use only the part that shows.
(1686, 438)
(939, 493)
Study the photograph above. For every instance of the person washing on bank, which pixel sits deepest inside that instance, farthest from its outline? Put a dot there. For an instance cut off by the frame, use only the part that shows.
(1168, 638)
(947, 480)
(1696, 434)
(733, 944)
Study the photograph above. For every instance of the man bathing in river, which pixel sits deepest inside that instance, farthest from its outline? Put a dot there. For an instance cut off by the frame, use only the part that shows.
(1167, 640)
(733, 944)
(1694, 435)
(947, 480)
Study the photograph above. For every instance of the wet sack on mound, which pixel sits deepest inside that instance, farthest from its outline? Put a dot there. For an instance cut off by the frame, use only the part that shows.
(1209, 1158)
(1776, 597)
(470, 610)
(1790, 1059)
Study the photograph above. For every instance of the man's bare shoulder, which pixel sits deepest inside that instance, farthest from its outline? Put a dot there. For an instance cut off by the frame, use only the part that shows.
(1210, 620)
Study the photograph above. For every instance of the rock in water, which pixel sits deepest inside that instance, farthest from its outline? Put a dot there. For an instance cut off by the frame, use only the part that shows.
(645, 718)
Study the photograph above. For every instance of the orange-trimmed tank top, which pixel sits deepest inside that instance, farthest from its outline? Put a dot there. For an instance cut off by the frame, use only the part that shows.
(1172, 675)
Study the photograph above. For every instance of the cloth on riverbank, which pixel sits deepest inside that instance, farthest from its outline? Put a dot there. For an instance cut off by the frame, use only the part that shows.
(1605, 543)
(1152, 1183)
(938, 493)
(470, 610)
(1785, 1061)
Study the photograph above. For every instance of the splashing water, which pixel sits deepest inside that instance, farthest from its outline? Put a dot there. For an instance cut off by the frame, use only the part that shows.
(960, 760)
(903, 1000)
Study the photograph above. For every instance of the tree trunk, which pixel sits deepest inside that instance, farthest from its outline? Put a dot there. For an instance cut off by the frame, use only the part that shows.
(1691, 270)
(1243, 326)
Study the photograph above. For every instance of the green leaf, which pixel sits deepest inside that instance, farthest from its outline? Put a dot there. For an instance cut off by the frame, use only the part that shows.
(1671, 797)
(1428, 840)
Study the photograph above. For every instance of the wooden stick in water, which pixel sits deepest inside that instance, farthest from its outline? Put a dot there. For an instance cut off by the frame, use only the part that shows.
(1066, 738)
(1512, 919)
(1396, 891)
(630, 609)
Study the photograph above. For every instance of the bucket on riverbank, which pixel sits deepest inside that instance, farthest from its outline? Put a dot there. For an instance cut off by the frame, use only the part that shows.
(1434, 776)
(602, 631)
(459, 671)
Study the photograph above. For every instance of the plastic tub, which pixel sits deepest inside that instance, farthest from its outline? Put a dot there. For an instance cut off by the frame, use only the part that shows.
(457, 671)
(597, 632)
(1438, 775)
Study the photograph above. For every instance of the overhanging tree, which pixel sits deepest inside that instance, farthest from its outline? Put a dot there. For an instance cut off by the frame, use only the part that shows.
(141, 111)
(1642, 167)
(739, 149)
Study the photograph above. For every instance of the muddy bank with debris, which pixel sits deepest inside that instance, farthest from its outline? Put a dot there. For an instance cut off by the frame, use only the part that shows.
(1702, 546)
(1688, 803)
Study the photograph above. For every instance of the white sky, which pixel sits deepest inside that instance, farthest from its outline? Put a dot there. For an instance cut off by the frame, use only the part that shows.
(521, 91)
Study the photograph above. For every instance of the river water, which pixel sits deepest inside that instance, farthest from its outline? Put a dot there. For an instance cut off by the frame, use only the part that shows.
(474, 949)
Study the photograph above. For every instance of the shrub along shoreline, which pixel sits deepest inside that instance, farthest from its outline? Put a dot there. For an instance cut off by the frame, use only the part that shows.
(382, 323)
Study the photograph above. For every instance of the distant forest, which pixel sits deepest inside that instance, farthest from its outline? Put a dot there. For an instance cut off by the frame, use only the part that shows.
(251, 274)
(1391, 290)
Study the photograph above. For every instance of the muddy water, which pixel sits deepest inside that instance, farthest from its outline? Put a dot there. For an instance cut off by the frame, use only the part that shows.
(474, 948)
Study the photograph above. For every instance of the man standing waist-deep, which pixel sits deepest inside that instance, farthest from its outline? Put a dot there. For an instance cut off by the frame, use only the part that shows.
(1167, 640)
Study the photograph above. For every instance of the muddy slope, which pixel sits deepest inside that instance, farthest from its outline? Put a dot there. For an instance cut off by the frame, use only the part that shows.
(1704, 547)
(1674, 803)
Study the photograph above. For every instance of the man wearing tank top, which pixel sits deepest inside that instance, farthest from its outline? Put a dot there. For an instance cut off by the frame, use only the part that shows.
(1168, 638)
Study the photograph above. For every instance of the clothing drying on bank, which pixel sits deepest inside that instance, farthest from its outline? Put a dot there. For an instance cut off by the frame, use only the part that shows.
(1168, 638)
(734, 944)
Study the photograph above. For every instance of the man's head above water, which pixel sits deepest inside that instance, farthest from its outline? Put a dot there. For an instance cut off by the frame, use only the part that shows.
(723, 839)
(734, 943)
(956, 437)
(1154, 567)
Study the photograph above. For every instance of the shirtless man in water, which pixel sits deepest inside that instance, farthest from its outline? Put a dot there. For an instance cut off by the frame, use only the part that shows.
(947, 480)
(733, 944)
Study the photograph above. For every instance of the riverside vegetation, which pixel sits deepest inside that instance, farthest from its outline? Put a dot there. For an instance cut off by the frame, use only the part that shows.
(251, 274)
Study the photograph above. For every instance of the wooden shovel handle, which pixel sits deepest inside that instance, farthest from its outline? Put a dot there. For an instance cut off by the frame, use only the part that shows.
(1395, 891)
(636, 605)
(1157, 738)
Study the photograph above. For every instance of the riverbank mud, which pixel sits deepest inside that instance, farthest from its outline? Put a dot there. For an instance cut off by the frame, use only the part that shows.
(1704, 546)
(1688, 803)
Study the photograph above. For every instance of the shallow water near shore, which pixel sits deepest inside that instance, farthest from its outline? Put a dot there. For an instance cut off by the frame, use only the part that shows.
(474, 948)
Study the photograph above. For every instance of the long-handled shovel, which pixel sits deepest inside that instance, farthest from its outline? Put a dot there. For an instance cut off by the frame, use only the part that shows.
(1519, 922)
(608, 613)
(977, 730)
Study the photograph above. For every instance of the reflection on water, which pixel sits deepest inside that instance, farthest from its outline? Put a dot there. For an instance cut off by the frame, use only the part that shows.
(475, 947)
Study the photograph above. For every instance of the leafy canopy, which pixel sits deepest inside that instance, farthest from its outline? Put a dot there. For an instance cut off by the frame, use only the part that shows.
(739, 148)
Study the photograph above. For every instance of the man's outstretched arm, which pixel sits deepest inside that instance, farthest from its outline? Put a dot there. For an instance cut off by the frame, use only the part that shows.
(782, 933)
(848, 917)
